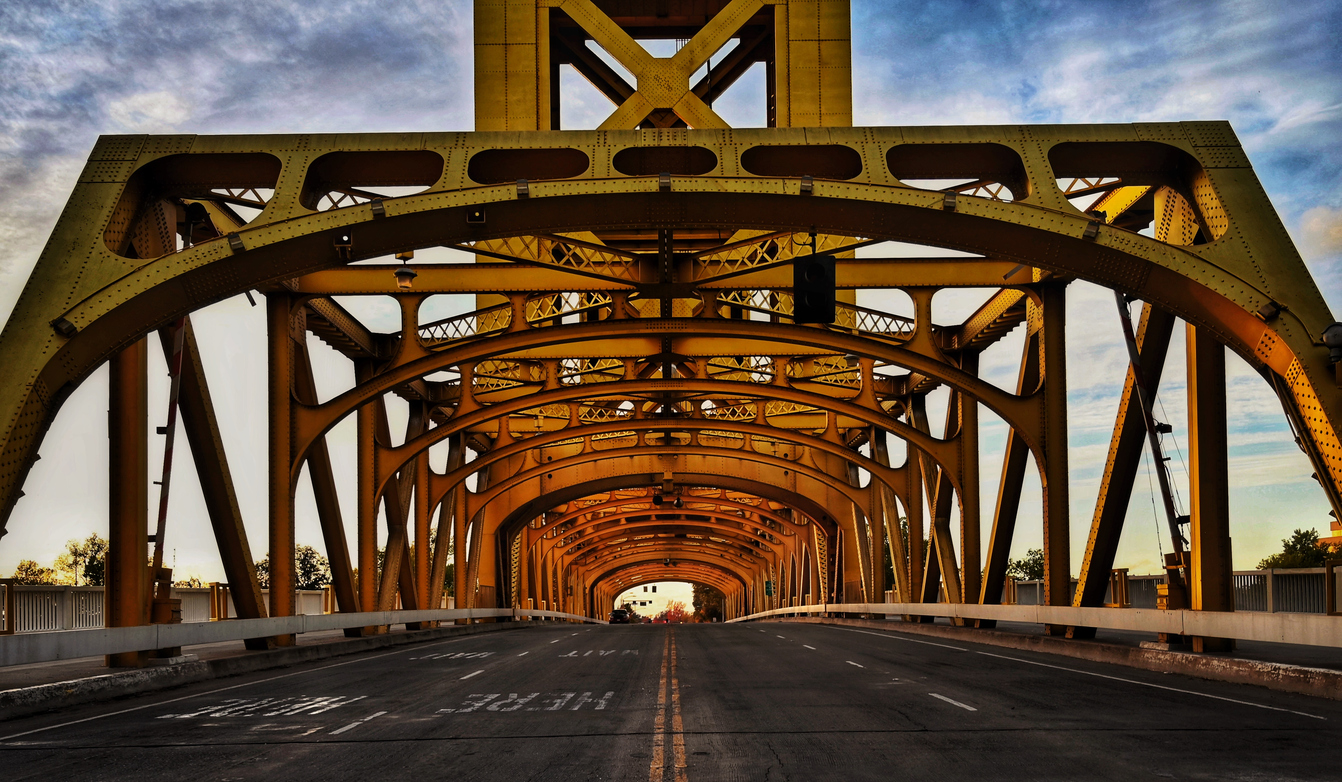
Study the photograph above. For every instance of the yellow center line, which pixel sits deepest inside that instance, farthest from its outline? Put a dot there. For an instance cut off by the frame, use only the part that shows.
(656, 767)
(678, 739)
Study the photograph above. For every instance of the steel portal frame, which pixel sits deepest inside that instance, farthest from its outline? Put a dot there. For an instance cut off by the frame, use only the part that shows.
(634, 337)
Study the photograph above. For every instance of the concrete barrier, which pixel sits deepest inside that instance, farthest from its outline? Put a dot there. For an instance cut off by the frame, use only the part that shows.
(72, 644)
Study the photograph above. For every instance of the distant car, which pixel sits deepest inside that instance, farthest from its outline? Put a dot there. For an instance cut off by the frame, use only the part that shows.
(619, 617)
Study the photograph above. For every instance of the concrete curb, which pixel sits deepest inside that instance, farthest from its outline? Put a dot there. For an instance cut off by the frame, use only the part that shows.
(1319, 682)
(25, 701)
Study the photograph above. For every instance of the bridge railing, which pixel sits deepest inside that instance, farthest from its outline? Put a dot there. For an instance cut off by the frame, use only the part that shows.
(24, 648)
(1281, 590)
(1291, 628)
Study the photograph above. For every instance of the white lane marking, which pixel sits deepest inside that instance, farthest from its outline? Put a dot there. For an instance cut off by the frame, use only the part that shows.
(898, 638)
(850, 662)
(1156, 686)
(808, 646)
(964, 706)
(779, 636)
(524, 654)
(557, 640)
(357, 723)
(469, 675)
(214, 692)
(267, 707)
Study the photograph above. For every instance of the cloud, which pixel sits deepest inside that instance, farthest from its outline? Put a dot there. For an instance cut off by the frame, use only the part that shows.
(1321, 231)
(148, 112)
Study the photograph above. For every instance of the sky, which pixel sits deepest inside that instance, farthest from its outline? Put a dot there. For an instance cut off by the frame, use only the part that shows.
(77, 70)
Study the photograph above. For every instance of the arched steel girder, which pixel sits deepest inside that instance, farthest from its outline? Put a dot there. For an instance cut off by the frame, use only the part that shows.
(944, 453)
(653, 461)
(612, 585)
(441, 485)
(632, 557)
(724, 581)
(717, 518)
(690, 572)
(529, 510)
(662, 527)
(618, 508)
(127, 300)
(669, 547)
(920, 355)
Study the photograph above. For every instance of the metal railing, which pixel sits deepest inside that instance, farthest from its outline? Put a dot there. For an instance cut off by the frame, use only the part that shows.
(1297, 590)
(1291, 628)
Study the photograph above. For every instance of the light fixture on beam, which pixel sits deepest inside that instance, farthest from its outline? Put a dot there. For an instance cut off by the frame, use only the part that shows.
(405, 276)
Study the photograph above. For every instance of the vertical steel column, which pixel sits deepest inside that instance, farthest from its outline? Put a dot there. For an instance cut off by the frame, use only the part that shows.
(459, 547)
(1211, 579)
(423, 540)
(280, 324)
(971, 558)
(128, 501)
(366, 423)
(913, 489)
(1057, 541)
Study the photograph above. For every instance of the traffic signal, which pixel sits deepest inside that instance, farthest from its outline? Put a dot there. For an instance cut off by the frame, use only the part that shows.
(813, 289)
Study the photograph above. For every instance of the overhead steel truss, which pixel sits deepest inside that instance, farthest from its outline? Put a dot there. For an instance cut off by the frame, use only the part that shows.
(631, 400)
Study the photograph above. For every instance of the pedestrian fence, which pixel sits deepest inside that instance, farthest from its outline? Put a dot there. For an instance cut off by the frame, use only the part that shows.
(1296, 591)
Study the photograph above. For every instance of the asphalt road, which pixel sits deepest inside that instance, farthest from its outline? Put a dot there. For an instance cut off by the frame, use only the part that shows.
(693, 702)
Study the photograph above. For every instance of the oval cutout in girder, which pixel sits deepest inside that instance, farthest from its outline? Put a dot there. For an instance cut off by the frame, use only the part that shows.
(825, 161)
(497, 166)
(984, 162)
(678, 161)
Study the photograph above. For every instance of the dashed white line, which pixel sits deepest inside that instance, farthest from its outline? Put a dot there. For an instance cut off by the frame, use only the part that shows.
(469, 675)
(850, 662)
(953, 702)
(357, 723)
(779, 636)
(808, 646)
(1156, 686)
(557, 640)
(524, 654)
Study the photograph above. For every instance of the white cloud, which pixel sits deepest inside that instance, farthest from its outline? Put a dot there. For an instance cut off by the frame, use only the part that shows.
(149, 112)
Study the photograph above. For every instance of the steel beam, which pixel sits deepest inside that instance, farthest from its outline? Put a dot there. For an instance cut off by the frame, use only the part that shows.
(1057, 511)
(281, 326)
(1125, 453)
(128, 502)
(1211, 582)
(216, 481)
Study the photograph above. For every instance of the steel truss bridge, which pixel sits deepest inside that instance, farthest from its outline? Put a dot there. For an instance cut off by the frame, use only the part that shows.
(632, 400)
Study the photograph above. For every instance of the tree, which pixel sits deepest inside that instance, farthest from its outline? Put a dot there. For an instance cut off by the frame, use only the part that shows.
(86, 559)
(311, 569)
(1028, 568)
(707, 603)
(263, 572)
(675, 612)
(29, 572)
(1302, 549)
(193, 582)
